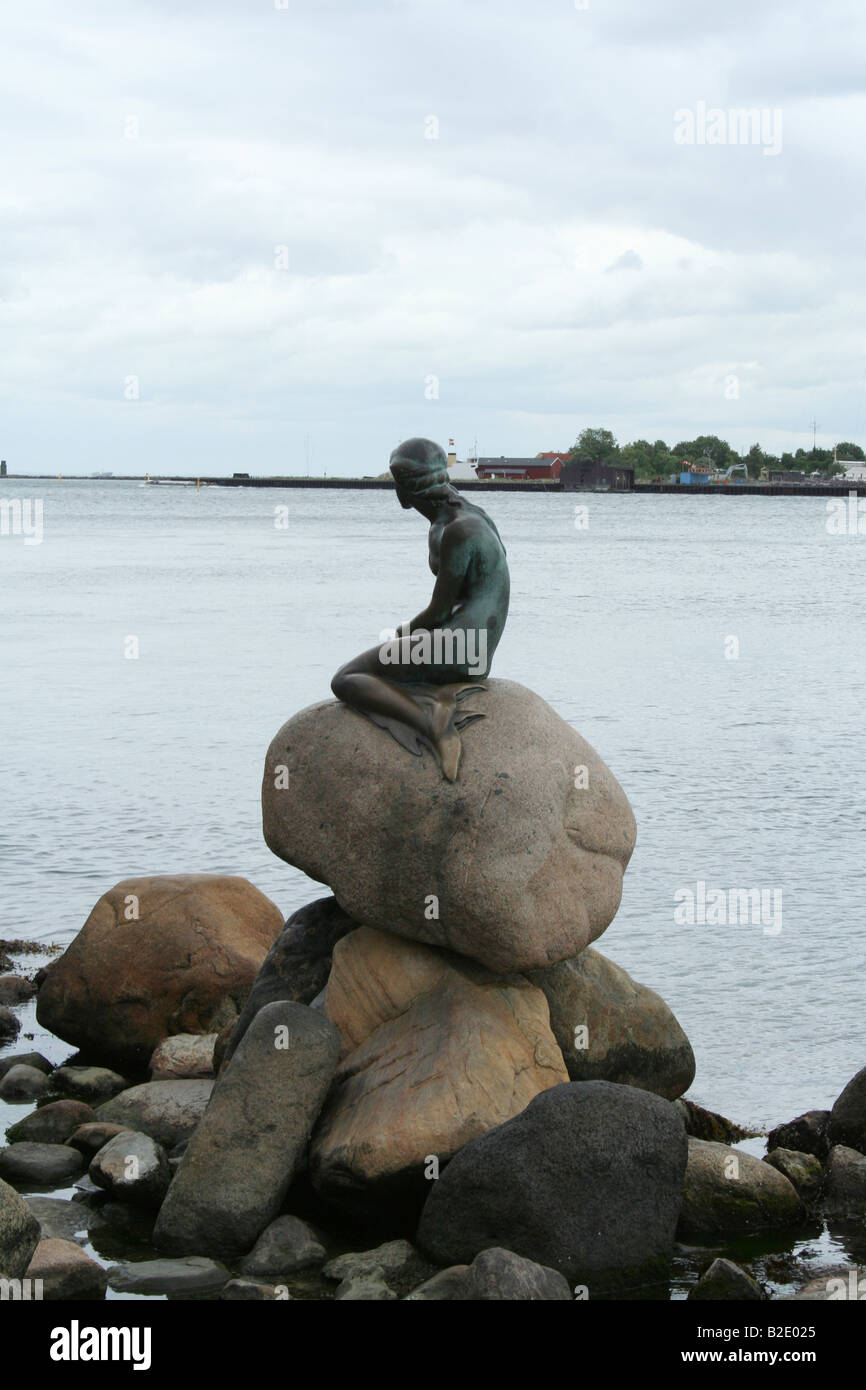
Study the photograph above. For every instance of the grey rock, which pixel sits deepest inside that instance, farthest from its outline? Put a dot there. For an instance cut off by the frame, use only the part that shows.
(265, 1104)
(397, 1263)
(63, 1220)
(806, 1134)
(725, 1280)
(804, 1171)
(729, 1192)
(586, 1181)
(19, 1233)
(194, 1274)
(527, 869)
(631, 1036)
(285, 1246)
(39, 1165)
(500, 1274)
(168, 1111)
(23, 1083)
(845, 1185)
(52, 1123)
(66, 1272)
(25, 1059)
(298, 963)
(92, 1084)
(133, 1168)
(847, 1123)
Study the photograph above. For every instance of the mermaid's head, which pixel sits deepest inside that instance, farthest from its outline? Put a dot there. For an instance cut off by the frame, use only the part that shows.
(420, 470)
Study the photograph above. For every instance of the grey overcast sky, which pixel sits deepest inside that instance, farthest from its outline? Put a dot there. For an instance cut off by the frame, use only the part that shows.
(242, 236)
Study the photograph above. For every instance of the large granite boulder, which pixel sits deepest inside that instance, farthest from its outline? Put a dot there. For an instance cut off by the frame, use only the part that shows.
(517, 864)
(728, 1192)
(610, 1028)
(175, 953)
(586, 1180)
(241, 1160)
(436, 1052)
(848, 1117)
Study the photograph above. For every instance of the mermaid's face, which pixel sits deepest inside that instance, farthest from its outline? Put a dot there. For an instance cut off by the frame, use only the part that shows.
(403, 497)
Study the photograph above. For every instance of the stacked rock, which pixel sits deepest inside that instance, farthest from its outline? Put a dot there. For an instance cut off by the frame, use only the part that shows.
(478, 1051)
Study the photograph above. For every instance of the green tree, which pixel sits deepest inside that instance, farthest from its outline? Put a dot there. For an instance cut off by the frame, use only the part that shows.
(594, 446)
(852, 453)
(707, 448)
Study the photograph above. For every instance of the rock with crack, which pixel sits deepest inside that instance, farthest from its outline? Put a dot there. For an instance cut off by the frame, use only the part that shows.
(437, 1051)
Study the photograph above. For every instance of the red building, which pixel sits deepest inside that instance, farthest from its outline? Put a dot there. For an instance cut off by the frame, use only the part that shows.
(544, 468)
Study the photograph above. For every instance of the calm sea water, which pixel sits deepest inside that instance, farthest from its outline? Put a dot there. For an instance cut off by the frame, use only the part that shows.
(743, 759)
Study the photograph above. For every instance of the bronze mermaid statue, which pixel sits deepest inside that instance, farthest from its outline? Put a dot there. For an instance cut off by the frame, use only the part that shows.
(414, 684)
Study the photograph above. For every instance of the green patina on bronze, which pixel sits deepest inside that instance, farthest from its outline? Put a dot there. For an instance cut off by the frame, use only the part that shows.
(414, 687)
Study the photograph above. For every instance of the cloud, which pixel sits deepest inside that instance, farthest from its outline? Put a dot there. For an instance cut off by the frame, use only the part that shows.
(285, 222)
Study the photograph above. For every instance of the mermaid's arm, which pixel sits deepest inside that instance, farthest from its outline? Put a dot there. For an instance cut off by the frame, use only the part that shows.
(448, 589)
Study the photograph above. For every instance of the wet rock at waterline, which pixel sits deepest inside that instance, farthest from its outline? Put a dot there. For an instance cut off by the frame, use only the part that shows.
(23, 1083)
(238, 1165)
(805, 1134)
(9, 1024)
(847, 1123)
(844, 1192)
(518, 864)
(174, 953)
(804, 1171)
(66, 1272)
(40, 1165)
(495, 1274)
(19, 1233)
(726, 1281)
(52, 1123)
(192, 1275)
(133, 1168)
(586, 1180)
(727, 1192)
(284, 1247)
(610, 1028)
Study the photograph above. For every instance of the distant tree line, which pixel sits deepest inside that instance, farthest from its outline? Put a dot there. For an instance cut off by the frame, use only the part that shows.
(658, 460)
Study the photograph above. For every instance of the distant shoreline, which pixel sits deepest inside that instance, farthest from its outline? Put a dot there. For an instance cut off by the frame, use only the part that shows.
(752, 489)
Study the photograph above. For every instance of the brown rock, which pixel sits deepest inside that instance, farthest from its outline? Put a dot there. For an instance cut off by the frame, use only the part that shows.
(51, 1124)
(525, 866)
(445, 1052)
(66, 1271)
(184, 964)
(88, 1139)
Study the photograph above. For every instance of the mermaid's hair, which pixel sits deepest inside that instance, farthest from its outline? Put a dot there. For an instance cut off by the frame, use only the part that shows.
(420, 467)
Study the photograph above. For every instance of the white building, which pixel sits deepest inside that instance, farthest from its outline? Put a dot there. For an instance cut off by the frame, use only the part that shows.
(854, 473)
